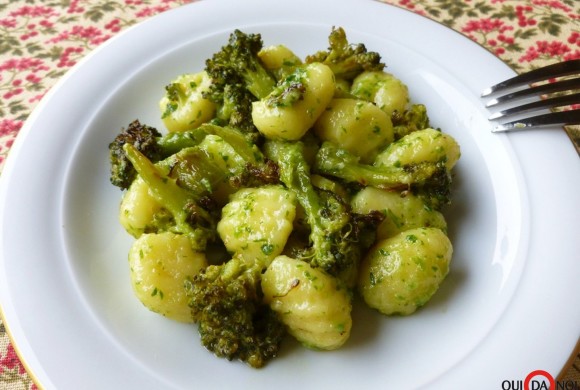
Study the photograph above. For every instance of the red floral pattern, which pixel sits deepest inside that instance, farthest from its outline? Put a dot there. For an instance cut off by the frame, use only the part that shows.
(40, 42)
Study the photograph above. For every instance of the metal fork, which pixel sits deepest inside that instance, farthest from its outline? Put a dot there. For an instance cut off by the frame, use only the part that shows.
(514, 91)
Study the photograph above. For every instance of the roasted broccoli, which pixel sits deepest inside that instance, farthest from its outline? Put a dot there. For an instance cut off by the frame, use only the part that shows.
(289, 90)
(227, 304)
(237, 78)
(334, 242)
(143, 138)
(413, 119)
(334, 161)
(420, 162)
(235, 109)
(149, 141)
(238, 63)
(254, 168)
(346, 60)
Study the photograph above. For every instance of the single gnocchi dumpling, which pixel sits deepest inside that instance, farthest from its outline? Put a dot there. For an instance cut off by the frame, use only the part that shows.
(314, 307)
(401, 212)
(296, 103)
(160, 263)
(183, 106)
(279, 60)
(401, 273)
(385, 90)
(421, 146)
(257, 222)
(139, 211)
(357, 126)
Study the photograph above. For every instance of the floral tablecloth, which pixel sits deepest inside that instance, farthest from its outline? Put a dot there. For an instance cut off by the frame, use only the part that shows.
(41, 39)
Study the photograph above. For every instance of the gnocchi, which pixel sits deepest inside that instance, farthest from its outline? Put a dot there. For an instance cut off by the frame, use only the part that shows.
(357, 126)
(401, 273)
(184, 107)
(292, 121)
(402, 212)
(383, 89)
(257, 222)
(314, 307)
(160, 264)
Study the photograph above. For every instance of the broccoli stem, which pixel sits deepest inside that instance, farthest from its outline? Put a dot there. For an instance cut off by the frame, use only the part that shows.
(173, 142)
(258, 81)
(295, 174)
(337, 162)
(188, 215)
(241, 144)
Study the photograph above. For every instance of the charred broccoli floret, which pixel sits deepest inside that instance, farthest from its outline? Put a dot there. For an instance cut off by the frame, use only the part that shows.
(238, 78)
(143, 138)
(233, 322)
(346, 60)
(238, 63)
(289, 90)
(235, 108)
(419, 162)
(436, 192)
(149, 141)
(413, 119)
(334, 161)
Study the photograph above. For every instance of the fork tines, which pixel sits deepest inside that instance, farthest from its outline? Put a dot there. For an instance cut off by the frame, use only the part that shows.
(517, 89)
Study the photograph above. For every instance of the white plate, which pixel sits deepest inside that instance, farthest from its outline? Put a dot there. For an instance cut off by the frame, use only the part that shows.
(508, 307)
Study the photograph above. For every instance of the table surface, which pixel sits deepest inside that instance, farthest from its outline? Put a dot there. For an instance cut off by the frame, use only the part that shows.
(41, 39)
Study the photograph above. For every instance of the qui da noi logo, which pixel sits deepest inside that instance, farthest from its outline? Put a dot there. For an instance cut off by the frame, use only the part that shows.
(539, 380)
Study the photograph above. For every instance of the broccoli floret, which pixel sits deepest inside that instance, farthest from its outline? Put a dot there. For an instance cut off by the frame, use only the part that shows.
(143, 138)
(149, 141)
(233, 322)
(413, 119)
(195, 171)
(346, 60)
(335, 161)
(238, 63)
(429, 179)
(238, 78)
(334, 242)
(436, 192)
(234, 108)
